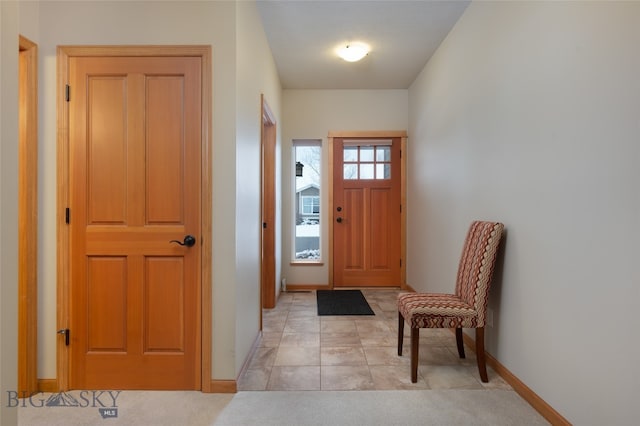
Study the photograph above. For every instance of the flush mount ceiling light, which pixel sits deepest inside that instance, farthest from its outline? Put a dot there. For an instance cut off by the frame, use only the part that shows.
(353, 52)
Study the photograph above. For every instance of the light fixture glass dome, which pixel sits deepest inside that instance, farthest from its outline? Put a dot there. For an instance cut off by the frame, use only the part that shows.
(353, 52)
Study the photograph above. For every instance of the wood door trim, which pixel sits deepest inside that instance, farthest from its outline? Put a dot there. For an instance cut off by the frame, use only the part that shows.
(403, 215)
(64, 54)
(267, 194)
(380, 134)
(377, 134)
(28, 219)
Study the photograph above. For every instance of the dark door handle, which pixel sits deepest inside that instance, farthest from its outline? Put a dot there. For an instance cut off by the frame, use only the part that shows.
(339, 220)
(189, 241)
(65, 332)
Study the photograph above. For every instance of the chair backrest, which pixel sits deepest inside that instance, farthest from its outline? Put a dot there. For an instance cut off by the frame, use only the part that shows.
(476, 265)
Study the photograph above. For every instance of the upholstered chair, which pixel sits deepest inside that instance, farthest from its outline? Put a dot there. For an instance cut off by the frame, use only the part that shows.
(466, 308)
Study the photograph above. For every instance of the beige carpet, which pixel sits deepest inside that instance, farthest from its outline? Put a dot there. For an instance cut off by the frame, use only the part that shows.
(132, 408)
(379, 408)
(306, 408)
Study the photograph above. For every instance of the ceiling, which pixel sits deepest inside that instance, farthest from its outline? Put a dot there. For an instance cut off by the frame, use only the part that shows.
(303, 36)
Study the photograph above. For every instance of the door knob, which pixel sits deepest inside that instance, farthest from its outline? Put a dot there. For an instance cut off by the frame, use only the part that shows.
(189, 241)
(339, 220)
(65, 332)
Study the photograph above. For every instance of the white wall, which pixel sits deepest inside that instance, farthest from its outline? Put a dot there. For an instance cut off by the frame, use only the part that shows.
(28, 19)
(256, 74)
(8, 207)
(529, 113)
(311, 114)
(170, 22)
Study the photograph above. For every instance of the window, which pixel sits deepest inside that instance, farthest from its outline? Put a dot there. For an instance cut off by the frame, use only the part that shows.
(310, 204)
(306, 234)
(367, 159)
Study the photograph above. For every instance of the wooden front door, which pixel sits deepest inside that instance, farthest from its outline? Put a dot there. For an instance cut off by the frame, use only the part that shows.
(135, 186)
(366, 212)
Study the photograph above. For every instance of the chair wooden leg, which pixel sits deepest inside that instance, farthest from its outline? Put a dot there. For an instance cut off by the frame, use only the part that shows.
(482, 364)
(415, 340)
(460, 342)
(400, 332)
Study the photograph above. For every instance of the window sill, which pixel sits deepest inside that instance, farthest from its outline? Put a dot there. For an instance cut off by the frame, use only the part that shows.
(305, 263)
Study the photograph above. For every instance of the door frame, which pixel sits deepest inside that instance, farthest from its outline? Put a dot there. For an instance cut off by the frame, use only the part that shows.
(268, 129)
(28, 218)
(373, 134)
(64, 54)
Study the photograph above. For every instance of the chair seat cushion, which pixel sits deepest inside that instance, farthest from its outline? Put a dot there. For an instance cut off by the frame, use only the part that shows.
(436, 310)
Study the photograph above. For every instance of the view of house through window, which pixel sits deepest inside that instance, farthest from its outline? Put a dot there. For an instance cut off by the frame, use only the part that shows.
(306, 158)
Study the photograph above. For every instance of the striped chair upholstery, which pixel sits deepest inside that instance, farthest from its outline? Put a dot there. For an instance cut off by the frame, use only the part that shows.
(466, 308)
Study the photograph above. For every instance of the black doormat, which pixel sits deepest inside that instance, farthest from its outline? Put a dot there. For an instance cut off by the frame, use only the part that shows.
(342, 302)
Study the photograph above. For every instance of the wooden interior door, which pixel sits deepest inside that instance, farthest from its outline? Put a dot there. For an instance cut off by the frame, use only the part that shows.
(268, 194)
(135, 177)
(366, 212)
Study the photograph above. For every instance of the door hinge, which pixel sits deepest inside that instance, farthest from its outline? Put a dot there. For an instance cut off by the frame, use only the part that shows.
(264, 225)
(401, 263)
(67, 91)
(67, 215)
(66, 333)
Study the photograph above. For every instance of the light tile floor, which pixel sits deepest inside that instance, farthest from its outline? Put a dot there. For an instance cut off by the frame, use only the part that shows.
(300, 350)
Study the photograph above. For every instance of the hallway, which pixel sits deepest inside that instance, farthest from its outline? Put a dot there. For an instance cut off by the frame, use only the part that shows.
(302, 351)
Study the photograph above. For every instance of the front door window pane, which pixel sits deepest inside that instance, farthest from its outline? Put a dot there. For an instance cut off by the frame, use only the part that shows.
(383, 153)
(366, 153)
(350, 154)
(350, 171)
(366, 171)
(366, 162)
(383, 171)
